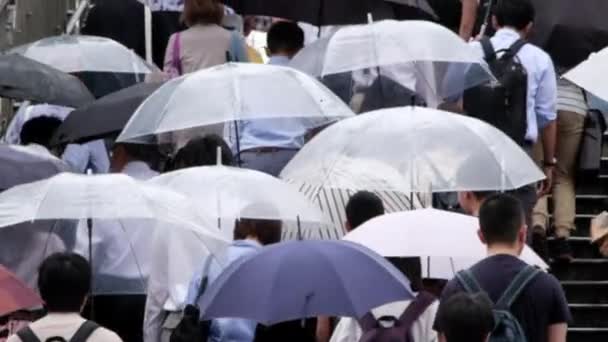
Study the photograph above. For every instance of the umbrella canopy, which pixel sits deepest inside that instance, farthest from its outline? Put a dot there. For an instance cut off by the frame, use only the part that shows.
(341, 12)
(105, 117)
(428, 233)
(14, 294)
(233, 91)
(585, 75)
(125, 213)
(570, 30)
(438, 66)
(26, 112)
(22, 78)
(25, 164)
(233, 193)
(302, 279)
(75, 53)
(431, 150)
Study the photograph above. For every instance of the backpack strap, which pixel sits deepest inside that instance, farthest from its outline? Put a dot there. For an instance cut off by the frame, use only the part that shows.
(468, 282)
(84, 332)
(27, 335)
(514, 49)
(416, 309)
(368, 323)
(489, 54)
(176, 57)
(517, 285)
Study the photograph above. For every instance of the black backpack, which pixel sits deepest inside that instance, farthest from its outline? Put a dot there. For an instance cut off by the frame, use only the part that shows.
(503, 104)
(82, 334)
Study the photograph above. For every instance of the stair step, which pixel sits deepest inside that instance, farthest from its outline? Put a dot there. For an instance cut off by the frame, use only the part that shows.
(589, 315)
(582, 248)
(582, 269)
(586, 291)
(595, 334)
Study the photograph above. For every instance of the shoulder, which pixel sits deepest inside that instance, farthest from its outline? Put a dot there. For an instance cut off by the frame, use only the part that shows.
(105, 335)
(542, 58)
(545, 282)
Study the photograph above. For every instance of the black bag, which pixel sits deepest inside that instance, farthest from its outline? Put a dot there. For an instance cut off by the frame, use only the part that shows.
(82, 334)
(502, 104)
(590, 152)
(190, 328)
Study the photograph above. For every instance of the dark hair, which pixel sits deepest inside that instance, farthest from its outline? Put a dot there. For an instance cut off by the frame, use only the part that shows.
(64, 280)
(482, 195)
(514, 13)
(362, 207)
(266, 231)
(500, 219)
(202, 152)
(39, 130)
(202, 12)
(142, 152)
(466, 317)
(285, 36)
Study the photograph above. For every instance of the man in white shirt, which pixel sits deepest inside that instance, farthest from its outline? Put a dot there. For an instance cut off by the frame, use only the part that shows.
(64, 281)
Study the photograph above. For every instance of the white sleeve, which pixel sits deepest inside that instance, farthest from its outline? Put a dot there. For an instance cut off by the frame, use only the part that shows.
(99, 156)
(77, 157)
(347, 330)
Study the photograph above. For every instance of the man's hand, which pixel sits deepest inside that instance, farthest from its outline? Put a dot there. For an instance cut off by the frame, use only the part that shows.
(546, 185)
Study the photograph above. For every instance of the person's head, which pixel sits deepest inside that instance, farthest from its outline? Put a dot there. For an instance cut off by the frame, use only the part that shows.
(202, 12)
(202, 152)
(516, 14)
(122, 154)
(465, 317)
(362, 207)
(470, 201)
(502, 223)
(266, 232)
(64, 281)
(284, 38)
(39, 130)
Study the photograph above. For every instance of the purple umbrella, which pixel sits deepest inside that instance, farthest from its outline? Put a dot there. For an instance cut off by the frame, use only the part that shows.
(302, 279)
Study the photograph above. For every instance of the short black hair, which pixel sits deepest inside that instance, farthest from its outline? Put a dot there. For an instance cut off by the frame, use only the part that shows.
(465, 317)
(482, 195)
(285, 36)
(142, 152)
(514, 13)
(203, 152)
(500, 219)
(39, 130)
(266, 231)
(64, 280)
(362, 207)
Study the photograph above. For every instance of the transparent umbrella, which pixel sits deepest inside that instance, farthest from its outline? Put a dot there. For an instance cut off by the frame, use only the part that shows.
(121, 215)
(432, 150)
(233, 193)
(421, 56)
(585, 74)
(177, 111)
(437, 235)
(24, 164)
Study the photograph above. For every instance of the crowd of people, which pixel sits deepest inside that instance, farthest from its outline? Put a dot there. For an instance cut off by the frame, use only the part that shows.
(499, 298)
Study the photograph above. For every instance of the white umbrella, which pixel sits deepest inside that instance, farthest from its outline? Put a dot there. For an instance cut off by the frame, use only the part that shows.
(451, 237)
(432, 151)
(227, 194)
(227, 93)
(419, 55)
(585, 75)
(24, 164)
(127, 210)
(76, 53)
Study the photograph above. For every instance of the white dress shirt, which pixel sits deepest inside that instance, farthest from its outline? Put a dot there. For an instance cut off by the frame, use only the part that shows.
(65, 325)
(348, 329)
(542, 81)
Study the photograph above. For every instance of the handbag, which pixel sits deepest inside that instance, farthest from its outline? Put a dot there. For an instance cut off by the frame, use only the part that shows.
(590, 151)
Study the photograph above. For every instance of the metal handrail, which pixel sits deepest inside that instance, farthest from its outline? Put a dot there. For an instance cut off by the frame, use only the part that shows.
(74, 22)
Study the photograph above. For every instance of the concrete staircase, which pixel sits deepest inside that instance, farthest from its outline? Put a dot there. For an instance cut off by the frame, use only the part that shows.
(585, 281)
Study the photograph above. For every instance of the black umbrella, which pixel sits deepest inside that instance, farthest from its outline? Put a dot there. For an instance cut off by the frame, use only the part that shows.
(334, 12)
(569, 30)
(105, 117)
(24, 79)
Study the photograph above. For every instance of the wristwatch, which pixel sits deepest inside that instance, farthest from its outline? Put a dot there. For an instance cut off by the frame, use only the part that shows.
(551, 163)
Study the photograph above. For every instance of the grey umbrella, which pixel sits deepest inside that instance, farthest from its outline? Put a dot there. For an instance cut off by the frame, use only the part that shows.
(24, 79)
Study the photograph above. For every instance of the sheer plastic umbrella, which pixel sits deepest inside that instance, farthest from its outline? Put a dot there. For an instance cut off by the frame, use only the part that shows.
(14, 294)
(235, 91)
(432, 151)
(233, 193)
(437, 66)
(585, 74)
(123, 209)
(103, 64)
(301, 279)
(430, 233)
(22, 78)
(28, 111)
(25, 164)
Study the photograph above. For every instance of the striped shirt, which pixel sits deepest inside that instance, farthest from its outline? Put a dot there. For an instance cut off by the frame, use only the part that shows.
(570, 98)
